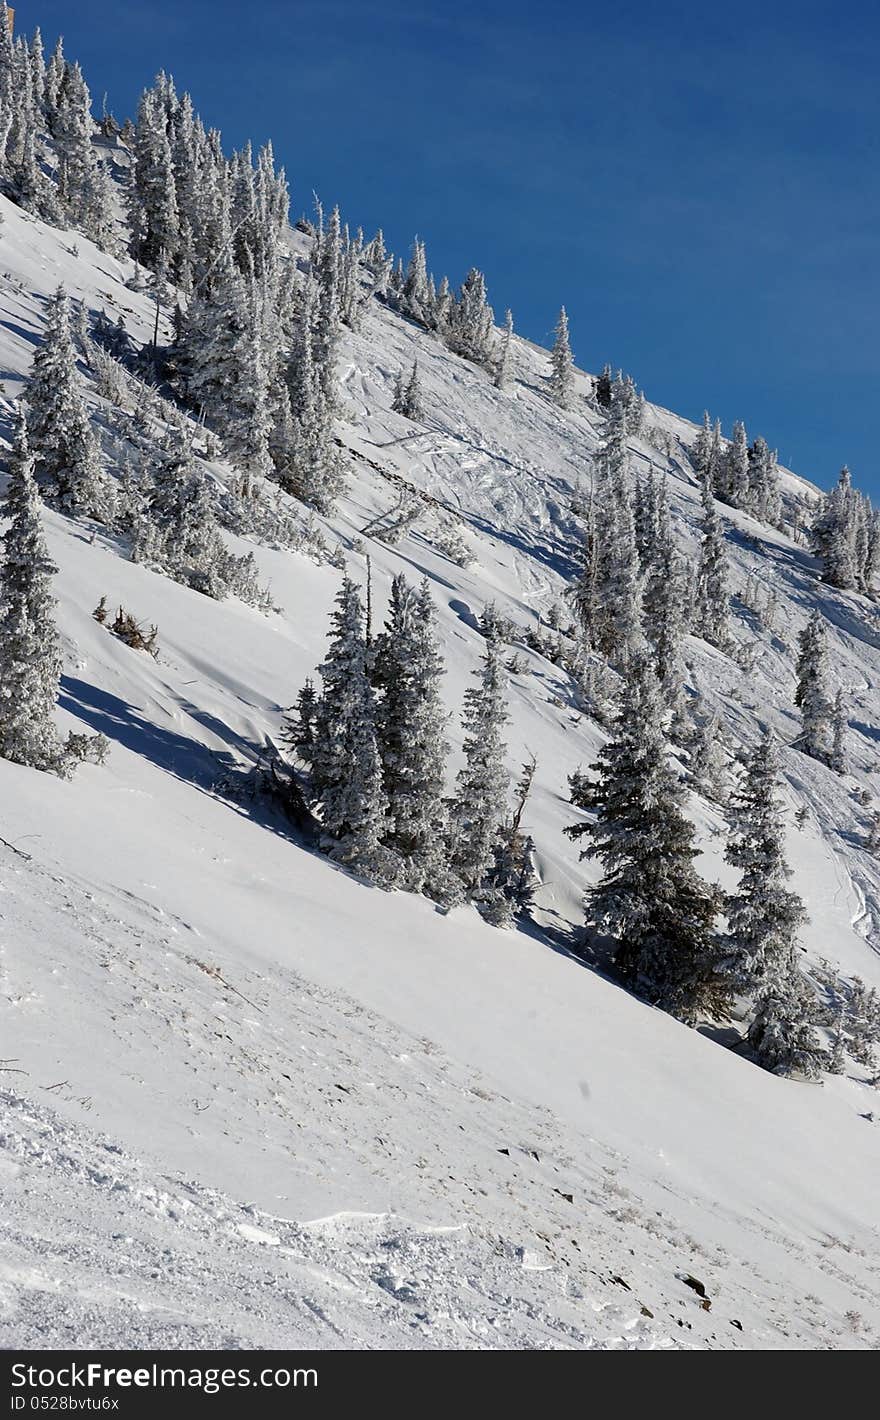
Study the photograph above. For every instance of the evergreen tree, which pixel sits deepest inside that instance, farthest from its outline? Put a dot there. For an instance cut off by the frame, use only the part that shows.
(701, 449)
(650, 899)
(468, 325)
(616, 615)
(513, 874)
(309, 466)
(603, 388)
(416, 300)
(153, 209)
(82, 183)
(763, 497)
(712, 601)
(812, 694)
(845, 536)
(178, 531)
(346, 768)
(562, 364)
(664, 599)
(30, 650)
(708, 761)
(408, 395)
(298, 731)
(838, 759)
(763, 916)
(67, 459)
(410, 728)
(781, 1033)
(732, 480)
(479, 807)
(503, 365)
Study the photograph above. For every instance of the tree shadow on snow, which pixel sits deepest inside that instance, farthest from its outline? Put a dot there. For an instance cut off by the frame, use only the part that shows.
(215, 773)
(186, 759)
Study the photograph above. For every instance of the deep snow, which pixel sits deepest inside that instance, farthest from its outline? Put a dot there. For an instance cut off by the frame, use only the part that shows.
(252, 1101)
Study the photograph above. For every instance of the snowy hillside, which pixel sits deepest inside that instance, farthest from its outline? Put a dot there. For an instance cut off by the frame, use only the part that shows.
(250, 1100)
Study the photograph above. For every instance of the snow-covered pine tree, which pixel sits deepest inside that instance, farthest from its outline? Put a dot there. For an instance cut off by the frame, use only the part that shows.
(561, 364)
(468, 325)
(153, 210)
(732, 479)
(310, 467)
(603, 387)
(812, 695)
(708, 762)
(325, 329)
(480, 804)
(30, 650)
(408, 395)
(346, 768)
(513, 873)
(298, 730)
(838, 759)
(781, 1033)
(837, 1058)
(650, 899)
(764, 500)
(712, 600)
(178, 532)
(626, 398)
(616, 616)
(763, 915)
(664, 600)
(701, 449)
(410, 723)
(833, 534)
(503, 363)
(83, 188)
(68, 463)
(415, 285)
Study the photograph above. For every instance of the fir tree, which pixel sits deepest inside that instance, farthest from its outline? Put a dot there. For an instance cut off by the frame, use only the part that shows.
(616, 615)
(309, 466)
(298, 730)
(708, 761)
(763, 495)
(650, 899)
(763, 916)
(346, 768)
(503, 365)
(812, 694)
(30, 650)
(67, 460)
(839, 724)
(479, 806)
(833, 534)
(513, 873)
(781, 1033)
(408, 395)
(415, 286)
(410, 728)
(712, 601)
(663, 600)
(468, 325)
(562, 364)
(732, 479)
(603, 388)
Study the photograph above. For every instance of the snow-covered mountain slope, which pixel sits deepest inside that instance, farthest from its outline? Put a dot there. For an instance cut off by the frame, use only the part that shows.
(253, 1101)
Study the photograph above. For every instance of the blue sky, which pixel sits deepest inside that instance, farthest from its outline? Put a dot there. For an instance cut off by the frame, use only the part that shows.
(696, 182)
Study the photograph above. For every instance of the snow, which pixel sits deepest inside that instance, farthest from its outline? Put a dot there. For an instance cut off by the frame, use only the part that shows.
(250, 1101)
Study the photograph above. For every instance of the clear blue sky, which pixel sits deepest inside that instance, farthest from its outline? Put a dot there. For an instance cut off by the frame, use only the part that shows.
(697, 183)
